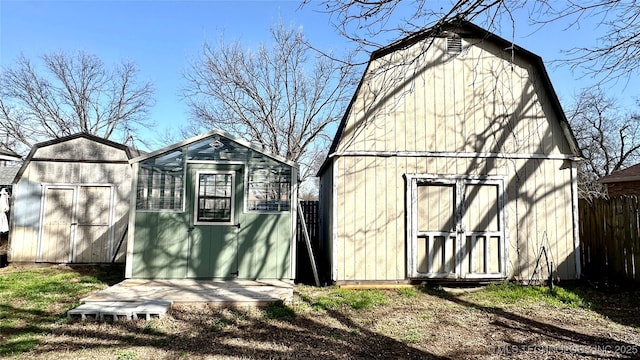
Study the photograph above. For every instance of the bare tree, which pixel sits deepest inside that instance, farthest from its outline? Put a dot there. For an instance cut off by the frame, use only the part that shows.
(274, 96)
(617, 53)
(373, 23)
(608, 138)
(70, 94)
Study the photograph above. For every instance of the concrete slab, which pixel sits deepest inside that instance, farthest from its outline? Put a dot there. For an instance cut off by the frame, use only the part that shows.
(150, 299)
(223, 293)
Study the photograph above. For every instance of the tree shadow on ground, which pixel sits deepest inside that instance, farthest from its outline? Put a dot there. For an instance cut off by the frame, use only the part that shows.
(543, 333)
(617, 301)
(109, 274)
(204, 332)
(17, 331)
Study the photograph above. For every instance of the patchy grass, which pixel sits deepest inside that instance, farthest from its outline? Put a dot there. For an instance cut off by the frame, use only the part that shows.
(509, 293)
(337, 298)
(327, 323)
(33, 299)
(126, 355)
(409, 293)
(279, 310)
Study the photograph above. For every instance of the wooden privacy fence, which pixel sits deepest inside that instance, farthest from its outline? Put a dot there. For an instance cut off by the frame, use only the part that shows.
(310, 210)
(610, 238)
(311, 215)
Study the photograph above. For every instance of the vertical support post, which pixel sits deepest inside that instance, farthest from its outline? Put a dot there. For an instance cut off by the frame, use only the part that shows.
(574, 212)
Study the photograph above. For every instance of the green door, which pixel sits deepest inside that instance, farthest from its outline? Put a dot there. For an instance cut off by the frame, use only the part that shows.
(214, 201)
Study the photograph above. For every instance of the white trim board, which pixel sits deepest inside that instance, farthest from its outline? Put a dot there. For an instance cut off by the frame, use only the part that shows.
(466, 155)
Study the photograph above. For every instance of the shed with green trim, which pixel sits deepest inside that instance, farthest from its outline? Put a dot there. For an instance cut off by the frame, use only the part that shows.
(212, 207)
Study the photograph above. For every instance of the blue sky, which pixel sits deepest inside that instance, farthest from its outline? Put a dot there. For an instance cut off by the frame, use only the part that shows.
(162, 37)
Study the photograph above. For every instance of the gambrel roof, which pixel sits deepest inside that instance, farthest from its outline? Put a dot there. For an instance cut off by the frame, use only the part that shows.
(465, 30)
(31, 157)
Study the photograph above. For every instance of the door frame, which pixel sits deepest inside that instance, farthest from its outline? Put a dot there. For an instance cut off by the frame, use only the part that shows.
(411, 188)
(193, 169)
(74, 216)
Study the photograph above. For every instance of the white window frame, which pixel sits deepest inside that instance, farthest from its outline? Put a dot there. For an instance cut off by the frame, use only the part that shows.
(196, 197)
(180, 209)
(247, 184)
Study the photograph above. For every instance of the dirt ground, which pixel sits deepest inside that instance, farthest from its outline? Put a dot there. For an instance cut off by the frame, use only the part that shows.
(432, 324)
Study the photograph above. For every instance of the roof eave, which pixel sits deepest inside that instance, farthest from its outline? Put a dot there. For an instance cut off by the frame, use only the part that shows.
(619, 179)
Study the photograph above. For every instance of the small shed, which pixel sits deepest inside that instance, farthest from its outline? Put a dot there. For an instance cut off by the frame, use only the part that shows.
(212, 207)
(623, 182)
(71, 202)
(454, 161)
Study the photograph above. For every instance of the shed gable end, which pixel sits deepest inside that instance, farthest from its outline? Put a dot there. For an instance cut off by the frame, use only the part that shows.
(81, 149)
(481, 99)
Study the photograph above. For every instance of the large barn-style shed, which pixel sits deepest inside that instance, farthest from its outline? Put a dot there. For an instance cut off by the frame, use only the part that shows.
(211, 207)
(71, 202)
(453, 161)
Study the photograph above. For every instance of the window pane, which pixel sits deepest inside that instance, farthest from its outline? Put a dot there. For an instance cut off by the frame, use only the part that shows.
(215, 197)
(160, 183)
(269, 188)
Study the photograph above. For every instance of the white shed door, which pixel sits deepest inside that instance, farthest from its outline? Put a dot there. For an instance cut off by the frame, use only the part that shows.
(76, 224)
(56, 223)
(456, 228)
(93, 228)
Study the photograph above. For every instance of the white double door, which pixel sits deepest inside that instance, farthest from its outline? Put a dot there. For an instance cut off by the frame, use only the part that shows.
(456, 227)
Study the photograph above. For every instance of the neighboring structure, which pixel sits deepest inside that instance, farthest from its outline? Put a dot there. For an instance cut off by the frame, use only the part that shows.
(212, 206)
(454, 160)
(71, 202)
(7, 175)
(8, 155)
(623, 182)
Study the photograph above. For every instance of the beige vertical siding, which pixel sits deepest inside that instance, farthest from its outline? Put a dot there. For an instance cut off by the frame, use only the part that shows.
(479, 101)
(92, 242)
(369, 247)
(486, 101)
